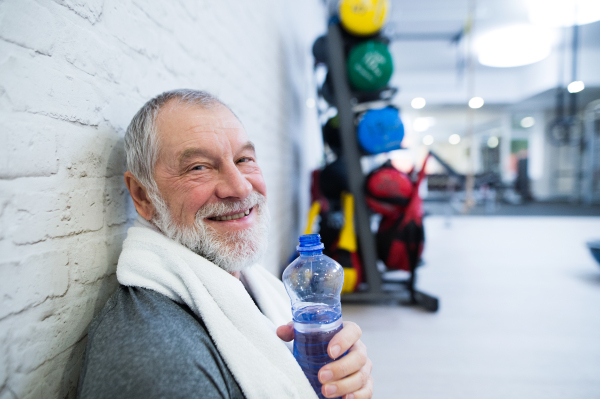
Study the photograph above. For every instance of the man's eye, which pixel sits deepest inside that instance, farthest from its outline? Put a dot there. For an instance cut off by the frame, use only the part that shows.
(198, 167)
(244, 159)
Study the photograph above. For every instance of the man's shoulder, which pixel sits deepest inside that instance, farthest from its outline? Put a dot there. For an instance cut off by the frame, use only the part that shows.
(149, 317)
(142, 344)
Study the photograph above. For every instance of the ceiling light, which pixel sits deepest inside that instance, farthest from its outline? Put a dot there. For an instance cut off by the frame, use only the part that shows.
(422, 124)
(576, 86)
(527, 122)
(476, 102)
(513, 46)
(454, 139)
(428, 140)
(418, 103)
(493, 142)
(558, 13)
(310, 103)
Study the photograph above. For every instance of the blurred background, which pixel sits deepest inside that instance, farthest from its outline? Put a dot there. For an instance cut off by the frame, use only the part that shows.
(496, 102)
(522, 60)
(503, 95)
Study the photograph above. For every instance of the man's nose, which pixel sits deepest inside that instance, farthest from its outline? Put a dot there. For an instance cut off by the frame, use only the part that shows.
(232, 183)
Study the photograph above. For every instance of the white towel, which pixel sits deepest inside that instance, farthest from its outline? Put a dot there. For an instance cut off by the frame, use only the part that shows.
(259, 361)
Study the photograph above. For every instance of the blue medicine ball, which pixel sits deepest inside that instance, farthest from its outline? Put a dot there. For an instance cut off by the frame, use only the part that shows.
(380, 130)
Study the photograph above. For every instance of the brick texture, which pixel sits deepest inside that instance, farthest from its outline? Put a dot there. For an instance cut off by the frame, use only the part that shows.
(72, 74)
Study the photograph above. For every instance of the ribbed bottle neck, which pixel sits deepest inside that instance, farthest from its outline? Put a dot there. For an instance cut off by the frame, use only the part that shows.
(310, 243)
(305, 254)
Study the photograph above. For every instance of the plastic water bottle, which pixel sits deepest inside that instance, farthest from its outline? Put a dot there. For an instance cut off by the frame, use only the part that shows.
(314, 282)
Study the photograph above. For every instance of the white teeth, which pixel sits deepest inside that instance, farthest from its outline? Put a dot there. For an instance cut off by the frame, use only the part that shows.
(232, 217)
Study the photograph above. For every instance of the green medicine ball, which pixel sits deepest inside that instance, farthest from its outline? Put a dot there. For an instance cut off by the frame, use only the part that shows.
(369, 66)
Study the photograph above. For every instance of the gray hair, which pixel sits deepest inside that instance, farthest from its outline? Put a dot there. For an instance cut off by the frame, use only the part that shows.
(141, 139)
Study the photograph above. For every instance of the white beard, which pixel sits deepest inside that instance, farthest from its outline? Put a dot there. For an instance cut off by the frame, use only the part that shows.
(232, 251)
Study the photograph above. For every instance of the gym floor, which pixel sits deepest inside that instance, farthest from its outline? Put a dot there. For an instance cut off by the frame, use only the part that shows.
(519, 313)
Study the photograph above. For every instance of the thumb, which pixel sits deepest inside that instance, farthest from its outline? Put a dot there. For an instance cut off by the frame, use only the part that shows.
(286, 332)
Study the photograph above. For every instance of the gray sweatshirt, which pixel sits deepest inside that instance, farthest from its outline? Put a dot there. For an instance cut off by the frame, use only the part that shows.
(144, 345)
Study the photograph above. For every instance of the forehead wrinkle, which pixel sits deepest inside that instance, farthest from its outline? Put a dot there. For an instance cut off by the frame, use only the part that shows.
(206, 119)
(211, 128)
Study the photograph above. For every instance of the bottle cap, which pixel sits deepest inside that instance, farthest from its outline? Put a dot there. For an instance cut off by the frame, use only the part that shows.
(309, 243)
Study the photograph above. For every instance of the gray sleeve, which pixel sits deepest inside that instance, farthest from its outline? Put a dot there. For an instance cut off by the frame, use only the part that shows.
(123, 374)
(153, 354)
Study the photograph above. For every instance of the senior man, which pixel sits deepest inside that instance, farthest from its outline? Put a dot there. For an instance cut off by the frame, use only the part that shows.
(194, 316)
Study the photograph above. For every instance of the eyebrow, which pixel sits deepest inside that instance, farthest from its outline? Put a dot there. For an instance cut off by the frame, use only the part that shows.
(249, 146)
(191, 153)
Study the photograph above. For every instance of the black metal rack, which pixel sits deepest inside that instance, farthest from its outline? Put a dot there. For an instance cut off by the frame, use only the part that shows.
(379, 288)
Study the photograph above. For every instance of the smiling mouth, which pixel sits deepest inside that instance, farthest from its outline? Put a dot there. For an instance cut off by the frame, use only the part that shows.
(231, 217)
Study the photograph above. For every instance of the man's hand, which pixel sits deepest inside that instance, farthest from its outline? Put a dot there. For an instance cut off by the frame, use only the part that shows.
(350, 375)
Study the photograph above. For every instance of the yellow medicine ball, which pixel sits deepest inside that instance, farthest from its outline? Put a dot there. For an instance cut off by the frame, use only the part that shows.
(363, 17)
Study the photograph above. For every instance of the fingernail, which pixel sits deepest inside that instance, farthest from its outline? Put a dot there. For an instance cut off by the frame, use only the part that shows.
(350, 396)
(326, 375)
(330, 389)
(335, 351)
(291, 323)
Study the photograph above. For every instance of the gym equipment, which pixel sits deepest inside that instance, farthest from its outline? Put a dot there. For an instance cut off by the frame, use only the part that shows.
(380, 130)
(327, 91)
(388, 190)
(366, 100)
(315, 191)
(590, 183)
(377, 287)
(345, 251)
(331, 134)
(337, 232)
(363, 17)
(333, 179)
(369, 66)
(594, 247)
(350, 280)
(330, 225)
(331, 218)
(490, 179)
(314, 211)
(400, 244)
(319, 50)
(401, 236)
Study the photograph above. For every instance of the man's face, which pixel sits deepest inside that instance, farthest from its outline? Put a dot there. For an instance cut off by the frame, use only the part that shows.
(211, 184)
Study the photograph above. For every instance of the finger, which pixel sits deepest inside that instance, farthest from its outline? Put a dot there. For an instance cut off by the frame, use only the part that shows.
(345, 366)
(349, 385)
(286, 332)
(343, 340)
(365, 392)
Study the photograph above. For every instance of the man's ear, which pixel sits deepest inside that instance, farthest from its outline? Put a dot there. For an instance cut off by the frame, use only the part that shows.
(140, 197)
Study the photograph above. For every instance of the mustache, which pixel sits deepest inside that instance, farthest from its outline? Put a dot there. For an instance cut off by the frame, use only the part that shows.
(228, 206)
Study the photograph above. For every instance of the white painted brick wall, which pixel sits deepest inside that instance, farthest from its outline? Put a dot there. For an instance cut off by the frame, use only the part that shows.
(72, 74)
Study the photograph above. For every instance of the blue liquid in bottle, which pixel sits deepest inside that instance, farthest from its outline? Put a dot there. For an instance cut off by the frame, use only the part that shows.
(314, 283)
